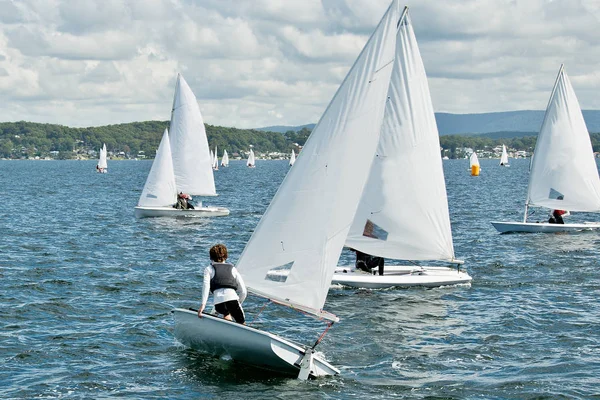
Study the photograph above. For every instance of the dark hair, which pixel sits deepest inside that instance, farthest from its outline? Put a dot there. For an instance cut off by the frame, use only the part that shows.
(218, 253)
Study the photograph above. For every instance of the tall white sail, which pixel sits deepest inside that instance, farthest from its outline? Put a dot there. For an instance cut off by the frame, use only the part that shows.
(319, 196)
(564, 174)
(404, 215)
(473, 160)
(102, 163)
(191, 160)
(215, 164)
(160, 188)
(504, 156)
(251, 160)
(292, 158)
(225, 159)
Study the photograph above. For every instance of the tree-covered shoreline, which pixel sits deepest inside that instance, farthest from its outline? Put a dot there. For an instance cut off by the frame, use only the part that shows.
(129, 140)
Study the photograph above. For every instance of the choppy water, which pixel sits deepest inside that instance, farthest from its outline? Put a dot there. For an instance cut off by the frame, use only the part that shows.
(87, 289)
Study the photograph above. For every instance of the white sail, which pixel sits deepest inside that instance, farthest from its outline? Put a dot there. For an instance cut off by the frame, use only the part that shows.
(320, 195)
(504, 157)
(405, 215)
(473, 160)
(160, 189)
(191, 160)
(215, 164)
(225, 159)
(564, 165)
(251, 160)
(102, 163)
(292, 158)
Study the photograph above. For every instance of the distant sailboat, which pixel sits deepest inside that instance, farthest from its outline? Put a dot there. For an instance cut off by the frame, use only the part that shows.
(215, 165)
(190, 158)
(318, 198)
(102, 166)
(251, 163)
(563, 174)
(504, 157)
(474, 164)
(292, 158)
(225, 159)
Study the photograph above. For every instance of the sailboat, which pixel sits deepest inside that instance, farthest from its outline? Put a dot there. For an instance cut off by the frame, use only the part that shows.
(190, 156)
(225, 159)
(504, 157)
(215, 165)
(292, 158)
(102, 166)
(319, 198)
(563, 175)
(404, 216)
(474, 166)
(251, 163)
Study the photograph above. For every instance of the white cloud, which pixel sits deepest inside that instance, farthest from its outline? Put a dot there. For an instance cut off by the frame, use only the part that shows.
(267, 62)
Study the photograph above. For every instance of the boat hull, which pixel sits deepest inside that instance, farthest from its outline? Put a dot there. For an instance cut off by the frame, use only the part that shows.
(394, 276)
(244, 344)
(542, 227)
(401, 276)
(145, 212)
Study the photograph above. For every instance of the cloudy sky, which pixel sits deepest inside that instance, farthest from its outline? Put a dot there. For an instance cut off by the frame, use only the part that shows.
(254, 63)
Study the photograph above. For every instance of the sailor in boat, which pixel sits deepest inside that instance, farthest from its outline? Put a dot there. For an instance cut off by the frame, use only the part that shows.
(184, 202)
(225, 283)
(557, 215)
(366, 262)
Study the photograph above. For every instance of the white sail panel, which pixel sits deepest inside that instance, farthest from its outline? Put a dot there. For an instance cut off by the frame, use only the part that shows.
(307, 222)
(564, 164)
(251, 159)
(102, 163)
(191, 157)
(160, 189)
(292, 158)
(225, 159)
(473, 160)
(403, 213)
(504, 156)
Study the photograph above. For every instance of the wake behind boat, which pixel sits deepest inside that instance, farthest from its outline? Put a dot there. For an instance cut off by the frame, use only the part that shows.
(563, 175)
(319, 197)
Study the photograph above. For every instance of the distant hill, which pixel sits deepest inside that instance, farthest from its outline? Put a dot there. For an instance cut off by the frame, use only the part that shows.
(522, 122)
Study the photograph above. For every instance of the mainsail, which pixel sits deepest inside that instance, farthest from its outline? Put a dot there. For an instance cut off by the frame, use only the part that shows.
(320, 195)
(405, 215)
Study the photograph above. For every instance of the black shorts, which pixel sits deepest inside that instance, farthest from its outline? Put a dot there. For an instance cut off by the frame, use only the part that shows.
(233, 308)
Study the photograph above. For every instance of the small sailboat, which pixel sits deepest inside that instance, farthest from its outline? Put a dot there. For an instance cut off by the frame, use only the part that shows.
(215, 165)
(190, 157)
(292, 158)
(102, 166)
(225, 159)
(563, 174)
(319, 198)
(504, 158)
(474, 166)
(251, 163)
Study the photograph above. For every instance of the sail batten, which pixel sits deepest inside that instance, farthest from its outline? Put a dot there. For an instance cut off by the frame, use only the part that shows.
(320, 194)
(405, 215)
(563, 173)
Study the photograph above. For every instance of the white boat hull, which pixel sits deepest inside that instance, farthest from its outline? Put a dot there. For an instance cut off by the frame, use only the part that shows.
(394, 276)
(143, 212)
(543, 227)
(244, 344)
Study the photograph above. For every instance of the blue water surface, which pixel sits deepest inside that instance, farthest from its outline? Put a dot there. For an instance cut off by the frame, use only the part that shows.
(87, 291)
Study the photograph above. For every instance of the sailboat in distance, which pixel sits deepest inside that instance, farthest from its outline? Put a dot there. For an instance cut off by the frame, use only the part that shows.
(102, 166)
(318, 197)
(251, 163)
(563, 174)
(190, 157)
(504, 158)
(225, 159)
(292, 158)
(215, 165)
(474, 166)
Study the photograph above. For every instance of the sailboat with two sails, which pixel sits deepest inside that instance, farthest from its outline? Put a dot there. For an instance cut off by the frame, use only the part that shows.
(192, 166)
(102, 166)
(564, 174)
(319, 198)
